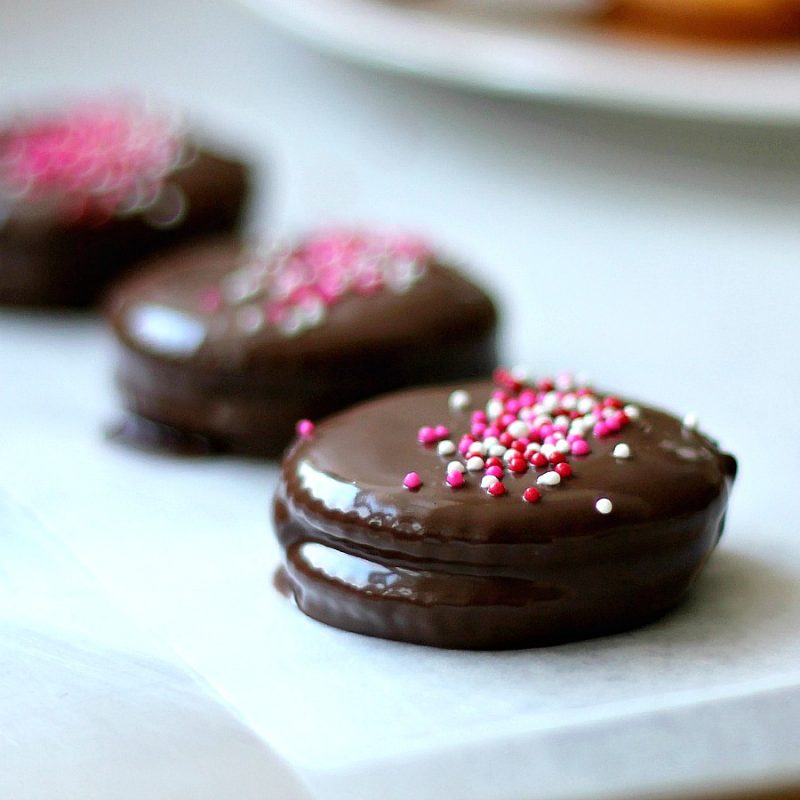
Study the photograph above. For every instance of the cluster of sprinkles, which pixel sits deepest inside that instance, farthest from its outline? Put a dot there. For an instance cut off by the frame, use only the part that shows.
(292, 288)
(542, 426)
(98, 159)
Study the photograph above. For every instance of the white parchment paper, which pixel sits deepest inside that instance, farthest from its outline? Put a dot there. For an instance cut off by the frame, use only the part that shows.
(706, 696)
(92, 708)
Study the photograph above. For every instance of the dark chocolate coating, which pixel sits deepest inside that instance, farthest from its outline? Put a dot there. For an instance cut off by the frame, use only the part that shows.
(244, 392)
(46, 260)
(459, 568)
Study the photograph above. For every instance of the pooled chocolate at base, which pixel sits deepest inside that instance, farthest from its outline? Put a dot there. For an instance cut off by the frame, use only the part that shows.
(460, 568)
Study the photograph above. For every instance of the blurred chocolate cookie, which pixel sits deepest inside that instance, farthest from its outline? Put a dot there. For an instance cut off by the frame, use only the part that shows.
(87, 191)
(225, 346)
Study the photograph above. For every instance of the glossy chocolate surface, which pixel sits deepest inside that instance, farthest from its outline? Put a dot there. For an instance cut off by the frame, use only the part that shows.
(49, 260)
(198, 369)
(460, 568)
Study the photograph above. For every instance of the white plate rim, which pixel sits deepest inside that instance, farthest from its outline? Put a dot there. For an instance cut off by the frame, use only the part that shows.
(551, 66)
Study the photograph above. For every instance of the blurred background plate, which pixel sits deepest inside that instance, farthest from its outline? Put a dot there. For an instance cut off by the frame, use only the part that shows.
(519, 48)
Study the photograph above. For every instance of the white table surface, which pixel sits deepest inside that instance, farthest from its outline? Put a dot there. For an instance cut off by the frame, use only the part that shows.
(659, 256)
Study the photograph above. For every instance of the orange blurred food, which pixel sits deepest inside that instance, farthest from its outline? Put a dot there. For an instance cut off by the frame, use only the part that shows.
(733, 19)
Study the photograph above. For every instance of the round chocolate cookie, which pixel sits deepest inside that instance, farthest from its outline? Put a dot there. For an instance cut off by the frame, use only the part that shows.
(88, 191)
(498, 515)
(225, 346)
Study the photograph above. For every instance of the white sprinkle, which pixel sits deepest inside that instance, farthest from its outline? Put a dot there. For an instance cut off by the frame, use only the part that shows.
(490, 440)
(445, 448)
(497, 450)
(477, 449)
(313, 312)
(551, 402)
(509, 454)
(475, 464)
(569, 401)
(494, 408)
(533, 447)
(291, 324)
(250, 319)
(561, 419)
(548, 449)
(542, 419)
(691, 421)
(622, 451)
(456, 466)
(518, 429)
(632, 411)
(458, 400)
(564, 381)
(563, 446)
(579, 427)
(549, 479)
(487, 481)
(585, 404)
(239, 286)
(604, 505)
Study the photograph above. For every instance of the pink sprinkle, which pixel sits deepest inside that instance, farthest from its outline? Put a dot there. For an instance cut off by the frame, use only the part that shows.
(600, 429)
(427, 435)
(442, 432)
(507, 419)
(496, 472)
(455, 479)
(412, 481)
(298, 283)
(100, 156)
(580, 447)
(210, 300)
(478, 428)
(305, 428)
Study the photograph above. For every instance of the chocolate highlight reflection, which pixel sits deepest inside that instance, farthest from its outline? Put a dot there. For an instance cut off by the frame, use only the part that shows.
(613, 543)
